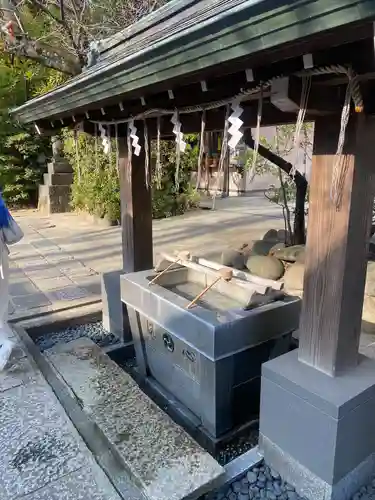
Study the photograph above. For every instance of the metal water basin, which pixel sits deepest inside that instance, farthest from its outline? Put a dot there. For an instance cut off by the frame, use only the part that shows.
(208, 357)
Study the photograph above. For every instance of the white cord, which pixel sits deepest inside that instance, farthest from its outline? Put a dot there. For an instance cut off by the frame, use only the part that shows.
(257, 137)
(158, 170)
(201, 150)
(77, 156)
(130, 153)
(223, 154)
(147, 155)
(117, 151)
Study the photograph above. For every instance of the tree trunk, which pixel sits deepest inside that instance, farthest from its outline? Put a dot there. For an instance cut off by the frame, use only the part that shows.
(299, 233)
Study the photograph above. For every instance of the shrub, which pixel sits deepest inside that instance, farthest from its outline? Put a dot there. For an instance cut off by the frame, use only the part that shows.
(96, 183)
(22, 163)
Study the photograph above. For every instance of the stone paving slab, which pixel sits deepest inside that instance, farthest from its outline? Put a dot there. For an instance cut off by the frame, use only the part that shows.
(160, 455)
(83, 484)
(42, 456)
(74, 252)
(32, 301)
(19, 373)
(36, 444)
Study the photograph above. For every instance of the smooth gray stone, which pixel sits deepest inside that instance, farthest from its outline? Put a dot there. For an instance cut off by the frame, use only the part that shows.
(236, 486)
(292, 495)
(241, 496)
(277, 489)
(271, 495)
(275, 474)
(252, 477)
(244, 489)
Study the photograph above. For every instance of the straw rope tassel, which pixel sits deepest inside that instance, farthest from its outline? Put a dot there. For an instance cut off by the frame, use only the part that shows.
(223, 153)
(257, 136)
(201, 150)
(147, 155)
(110, 148)
(177, 172)
(75, 134)
(305, 92)
(117, 151)
(341, 166)
(159, 172)
(96, 147)
(130, 153)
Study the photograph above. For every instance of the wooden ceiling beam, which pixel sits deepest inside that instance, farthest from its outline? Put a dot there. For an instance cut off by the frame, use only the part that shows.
(191, 123)
(320, 99)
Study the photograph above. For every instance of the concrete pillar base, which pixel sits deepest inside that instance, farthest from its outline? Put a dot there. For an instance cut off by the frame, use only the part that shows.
(115, 316)
(318, 431)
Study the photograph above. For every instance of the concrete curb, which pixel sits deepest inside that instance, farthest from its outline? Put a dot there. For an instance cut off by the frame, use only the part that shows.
(90, 433)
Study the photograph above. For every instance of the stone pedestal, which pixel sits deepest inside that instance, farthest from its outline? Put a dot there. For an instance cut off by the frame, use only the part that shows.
(54, 194)
(318, 431)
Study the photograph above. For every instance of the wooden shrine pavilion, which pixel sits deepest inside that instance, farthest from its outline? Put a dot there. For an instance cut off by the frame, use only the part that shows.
(265, 62)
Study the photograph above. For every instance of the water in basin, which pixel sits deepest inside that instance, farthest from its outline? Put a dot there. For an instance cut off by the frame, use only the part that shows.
(212, 300)
(188, 283)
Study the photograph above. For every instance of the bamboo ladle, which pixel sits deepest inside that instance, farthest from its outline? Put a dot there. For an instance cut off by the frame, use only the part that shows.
(180, 256)
(224, 274)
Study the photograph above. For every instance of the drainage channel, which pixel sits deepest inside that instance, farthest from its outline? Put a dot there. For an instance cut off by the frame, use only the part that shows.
(246, 476)
(50, 335)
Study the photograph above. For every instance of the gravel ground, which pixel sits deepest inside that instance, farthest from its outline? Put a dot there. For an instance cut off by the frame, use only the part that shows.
(259, 483)
(237, 446)
(94, 331)
(366, 492)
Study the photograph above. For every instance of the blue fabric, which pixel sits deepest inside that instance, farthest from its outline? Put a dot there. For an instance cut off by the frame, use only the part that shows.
(4, 214)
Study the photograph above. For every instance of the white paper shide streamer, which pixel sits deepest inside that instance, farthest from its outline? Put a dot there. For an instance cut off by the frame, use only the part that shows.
(106, 142)
(177, 132)
(257, 137)
(135, 139)
(236, 124)
(180, 146)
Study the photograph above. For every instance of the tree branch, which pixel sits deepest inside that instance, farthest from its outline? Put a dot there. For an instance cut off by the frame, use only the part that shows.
(45, 55)
(64, 25)
(300, 182)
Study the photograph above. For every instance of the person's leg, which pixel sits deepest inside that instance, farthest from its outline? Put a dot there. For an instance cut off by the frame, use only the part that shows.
(6, 345)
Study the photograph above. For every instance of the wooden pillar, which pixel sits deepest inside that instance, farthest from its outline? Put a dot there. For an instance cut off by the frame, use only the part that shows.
(136, 211)
(337, 242)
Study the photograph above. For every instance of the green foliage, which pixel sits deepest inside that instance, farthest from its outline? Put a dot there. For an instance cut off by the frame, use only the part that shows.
(22, 163)
(96, 184)
(22, 152)
(52, 80)
(166, 202)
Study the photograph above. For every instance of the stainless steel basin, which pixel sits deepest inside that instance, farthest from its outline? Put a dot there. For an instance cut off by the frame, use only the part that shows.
(208, 357)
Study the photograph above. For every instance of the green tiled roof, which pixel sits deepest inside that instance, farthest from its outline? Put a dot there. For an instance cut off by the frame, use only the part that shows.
(187, 37)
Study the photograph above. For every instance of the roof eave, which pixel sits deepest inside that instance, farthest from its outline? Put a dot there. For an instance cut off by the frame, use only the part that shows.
(187, 55)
